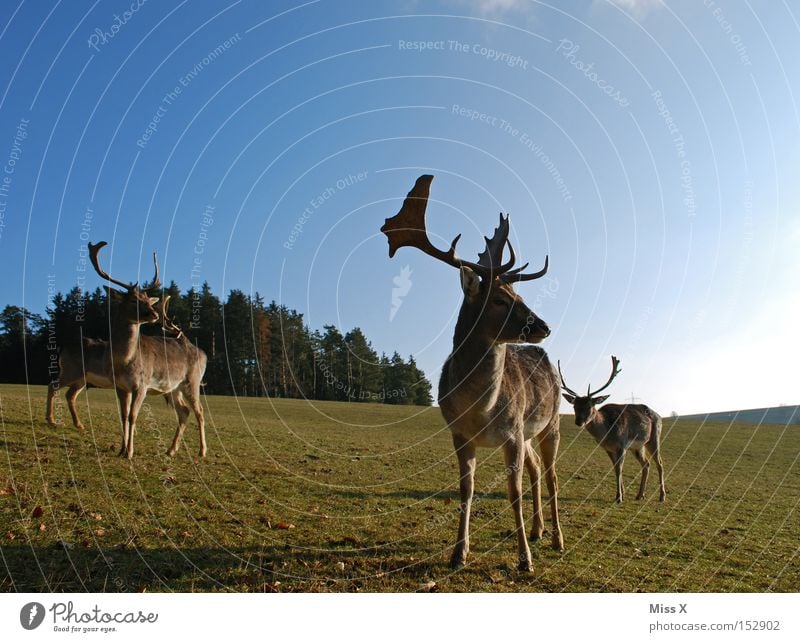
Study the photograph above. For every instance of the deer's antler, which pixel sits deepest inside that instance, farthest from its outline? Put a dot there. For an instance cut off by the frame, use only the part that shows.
(156, 283)
(94, 250)
(167, 324)
(614, 372)
(407, 228)
(564, 385)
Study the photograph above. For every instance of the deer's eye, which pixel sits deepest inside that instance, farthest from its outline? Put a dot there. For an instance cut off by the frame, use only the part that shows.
(502, 302)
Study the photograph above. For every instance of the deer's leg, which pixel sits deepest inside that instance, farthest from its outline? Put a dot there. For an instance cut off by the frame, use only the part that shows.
(619, 459)
(641, 457)
(548, 442)
(192, 393)
(465, 452)
(662, 492)
(52, 391)
(514, 451)
(182, 411)
(533, 465)
(124, 398)
(137, 399)
(72, 394)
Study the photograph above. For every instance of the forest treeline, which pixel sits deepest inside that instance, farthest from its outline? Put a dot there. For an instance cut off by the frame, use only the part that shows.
(253, 348)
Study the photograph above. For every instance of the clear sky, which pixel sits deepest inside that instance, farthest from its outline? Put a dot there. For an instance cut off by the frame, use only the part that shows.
(649, 148)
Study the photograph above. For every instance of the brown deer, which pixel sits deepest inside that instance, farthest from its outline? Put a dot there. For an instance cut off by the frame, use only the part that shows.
(89, 364)
(618, 428)
(496, 389)
(140, 363)
(82, 365)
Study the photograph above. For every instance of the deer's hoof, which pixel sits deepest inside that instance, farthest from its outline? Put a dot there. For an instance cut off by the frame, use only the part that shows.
(639, 498)
(458, 560)
(203, 452)
(662, 497)
(525, 566)
(558, 543)
(536, 535)
(171, 452)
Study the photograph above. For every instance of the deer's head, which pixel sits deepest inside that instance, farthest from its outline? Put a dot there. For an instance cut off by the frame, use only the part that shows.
(134, 304)
(491, 308)
(585, 406)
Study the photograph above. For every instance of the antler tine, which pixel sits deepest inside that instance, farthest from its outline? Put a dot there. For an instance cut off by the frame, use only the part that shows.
(515, 276)
(156, 281)
(492, 257)
(564, 385)
(94, 250)
(614, 372)
(407, 229)
(166, 323)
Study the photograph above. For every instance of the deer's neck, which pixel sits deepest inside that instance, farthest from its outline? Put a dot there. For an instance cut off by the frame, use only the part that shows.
(124, 342)
(597, 425)
(475, 367)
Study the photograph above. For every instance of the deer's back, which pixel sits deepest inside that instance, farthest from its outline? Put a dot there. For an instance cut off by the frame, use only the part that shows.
(631, 424)
(167, 363)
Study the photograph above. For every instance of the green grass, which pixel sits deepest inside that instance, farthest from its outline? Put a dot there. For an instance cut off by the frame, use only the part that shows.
(371, 493)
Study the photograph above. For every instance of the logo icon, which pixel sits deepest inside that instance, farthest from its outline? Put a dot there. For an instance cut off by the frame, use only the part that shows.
(402, 285)
(31, 615)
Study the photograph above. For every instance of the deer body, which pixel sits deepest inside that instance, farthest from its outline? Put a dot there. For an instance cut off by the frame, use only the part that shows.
(173, 367)
(90, 365)
(618, 428)
(495, 390)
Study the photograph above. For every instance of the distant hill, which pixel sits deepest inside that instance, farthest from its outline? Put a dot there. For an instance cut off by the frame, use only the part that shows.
(786, 415)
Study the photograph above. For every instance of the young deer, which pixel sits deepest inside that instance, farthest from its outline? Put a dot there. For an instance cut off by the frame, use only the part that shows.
(141, 363)
(619, 427)
(496, 389)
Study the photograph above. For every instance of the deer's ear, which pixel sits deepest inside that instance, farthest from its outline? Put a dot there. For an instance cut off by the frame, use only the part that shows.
(470, 282)
(601, 399)
(570, 398)
(113, 294)
(153, 300)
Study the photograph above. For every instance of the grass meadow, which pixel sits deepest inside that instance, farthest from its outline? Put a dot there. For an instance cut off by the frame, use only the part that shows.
(314, 496)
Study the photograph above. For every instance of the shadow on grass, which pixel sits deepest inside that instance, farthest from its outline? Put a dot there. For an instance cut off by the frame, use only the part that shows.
(250, 568)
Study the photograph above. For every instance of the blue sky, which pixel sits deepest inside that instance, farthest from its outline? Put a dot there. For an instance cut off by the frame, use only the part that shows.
(649, 148)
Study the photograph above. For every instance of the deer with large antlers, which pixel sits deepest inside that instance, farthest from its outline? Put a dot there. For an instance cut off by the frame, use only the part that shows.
(618, 428)
(496, 389)
(142, 363)
(82, 365)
